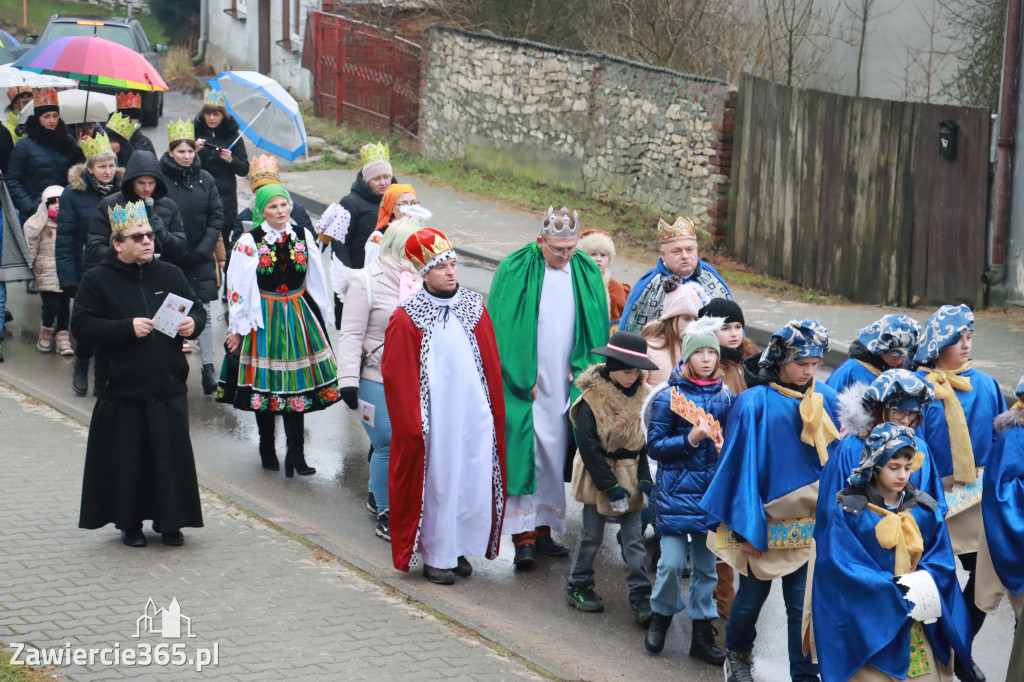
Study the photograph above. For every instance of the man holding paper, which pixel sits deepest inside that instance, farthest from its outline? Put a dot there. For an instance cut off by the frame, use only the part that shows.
(138, 462)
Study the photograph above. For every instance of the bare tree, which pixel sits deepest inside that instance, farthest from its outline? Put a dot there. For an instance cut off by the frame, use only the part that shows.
(861, 14)
(922, 63)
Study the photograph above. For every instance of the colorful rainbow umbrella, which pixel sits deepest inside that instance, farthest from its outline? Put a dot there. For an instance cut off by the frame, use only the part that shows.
(92, 59)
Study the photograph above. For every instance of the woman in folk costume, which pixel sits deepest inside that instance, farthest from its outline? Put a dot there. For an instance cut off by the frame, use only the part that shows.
(598, 245)
(376, 290)
(686, 449)
(958, 430)
(442, 380)
(781, 431)
(884, 344)
(887, 604)
(683, 300)
(897, 396)
(278, 307)
(1002, 506)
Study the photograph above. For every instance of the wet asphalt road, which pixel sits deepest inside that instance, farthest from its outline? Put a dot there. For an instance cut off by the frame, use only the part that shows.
(525, 612)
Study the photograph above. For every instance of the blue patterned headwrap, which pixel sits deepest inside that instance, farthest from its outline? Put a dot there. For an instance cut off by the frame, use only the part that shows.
(896, 334)
(885, 441)
(797, 340)
(1020, 390)
(943, 329)
(898, 389)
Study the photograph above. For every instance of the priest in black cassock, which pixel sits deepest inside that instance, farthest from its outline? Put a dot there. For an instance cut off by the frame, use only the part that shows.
(138, 460)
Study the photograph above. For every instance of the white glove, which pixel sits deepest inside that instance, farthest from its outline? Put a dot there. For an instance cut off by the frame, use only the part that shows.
(619, 506)
(923, 594)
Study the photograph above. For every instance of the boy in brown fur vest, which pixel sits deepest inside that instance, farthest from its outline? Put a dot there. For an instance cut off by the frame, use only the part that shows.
(610, 473)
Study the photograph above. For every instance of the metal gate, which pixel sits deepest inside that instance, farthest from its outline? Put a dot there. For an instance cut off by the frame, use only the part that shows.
(366, 76)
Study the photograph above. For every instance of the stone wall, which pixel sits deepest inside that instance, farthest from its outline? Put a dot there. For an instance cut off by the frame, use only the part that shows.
(579, 119)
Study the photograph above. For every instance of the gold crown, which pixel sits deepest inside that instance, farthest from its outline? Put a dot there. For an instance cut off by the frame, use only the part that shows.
(263, 170)
(121, 124)
(375, 152)
(425, 244)
(95, 145)
(45, 97)
(180, 130)
(129, 100)
(214, 98)
(132, 214)
(682, 228)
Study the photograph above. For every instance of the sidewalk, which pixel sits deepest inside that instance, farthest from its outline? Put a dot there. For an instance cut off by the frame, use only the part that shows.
(274, 607)
(488, 231)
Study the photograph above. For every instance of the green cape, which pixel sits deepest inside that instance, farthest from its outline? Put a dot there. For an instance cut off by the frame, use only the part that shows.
(514, 303)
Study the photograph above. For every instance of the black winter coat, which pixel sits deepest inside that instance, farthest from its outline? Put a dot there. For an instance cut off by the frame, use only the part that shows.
(6, 148)
(363, 205)
(225, 174)
(40, 159)
(77, 206)
(150, 369)
(195, 192)
(140, 142)
(164, 217)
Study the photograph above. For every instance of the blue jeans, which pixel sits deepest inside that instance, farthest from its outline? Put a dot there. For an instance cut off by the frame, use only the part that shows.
(741, 629)
(667, 598)
(380, 438)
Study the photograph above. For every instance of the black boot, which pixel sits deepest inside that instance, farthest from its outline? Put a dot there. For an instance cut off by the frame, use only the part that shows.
(702, 643)
(268, 453)
(80, 376)
(295, 459)
(209, 379)
(655, 639)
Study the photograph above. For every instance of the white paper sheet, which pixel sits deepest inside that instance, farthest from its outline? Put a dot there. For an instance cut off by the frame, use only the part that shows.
(172, 311)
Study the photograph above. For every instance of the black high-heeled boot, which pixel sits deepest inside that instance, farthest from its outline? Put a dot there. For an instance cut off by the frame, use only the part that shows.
(295, 459)
(268, 453)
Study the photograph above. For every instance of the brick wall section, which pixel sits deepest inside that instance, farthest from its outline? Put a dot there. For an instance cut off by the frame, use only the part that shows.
(578, 119)
(721, 169)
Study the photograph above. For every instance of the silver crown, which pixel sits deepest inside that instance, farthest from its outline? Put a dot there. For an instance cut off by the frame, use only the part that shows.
(559, 224)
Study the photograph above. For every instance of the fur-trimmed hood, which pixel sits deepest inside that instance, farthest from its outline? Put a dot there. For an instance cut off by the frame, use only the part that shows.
(77, 181)
(853, 418)
(1007, 420)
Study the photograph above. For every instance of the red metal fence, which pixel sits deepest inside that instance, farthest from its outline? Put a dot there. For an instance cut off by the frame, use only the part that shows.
(366, 76)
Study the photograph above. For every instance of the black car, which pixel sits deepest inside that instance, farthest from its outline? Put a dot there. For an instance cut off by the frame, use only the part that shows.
(122, 30)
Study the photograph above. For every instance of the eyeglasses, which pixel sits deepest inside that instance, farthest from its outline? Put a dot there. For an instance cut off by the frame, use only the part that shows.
(140, 237)
(561, 252)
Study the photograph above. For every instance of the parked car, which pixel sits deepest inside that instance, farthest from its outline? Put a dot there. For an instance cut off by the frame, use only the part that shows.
(122, 30)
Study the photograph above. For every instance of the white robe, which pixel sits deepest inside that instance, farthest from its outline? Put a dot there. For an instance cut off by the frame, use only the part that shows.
(556, 336)
(457, 492)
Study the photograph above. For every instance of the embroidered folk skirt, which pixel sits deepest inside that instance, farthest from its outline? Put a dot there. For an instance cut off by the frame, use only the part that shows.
(287, 366)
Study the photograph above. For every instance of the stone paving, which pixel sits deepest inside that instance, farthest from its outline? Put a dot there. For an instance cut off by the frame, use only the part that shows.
(274, 607)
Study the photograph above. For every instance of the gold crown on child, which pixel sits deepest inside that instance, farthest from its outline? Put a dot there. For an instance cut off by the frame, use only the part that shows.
(132, 214)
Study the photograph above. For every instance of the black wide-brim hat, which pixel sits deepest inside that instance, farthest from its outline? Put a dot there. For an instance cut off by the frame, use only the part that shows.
(629, 349)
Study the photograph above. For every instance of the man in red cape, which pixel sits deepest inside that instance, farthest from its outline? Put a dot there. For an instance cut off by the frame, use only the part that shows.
(442, 382)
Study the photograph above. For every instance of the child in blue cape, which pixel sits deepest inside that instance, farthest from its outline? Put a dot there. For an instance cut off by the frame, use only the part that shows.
(1002, 506)
(897, 396)
(958, 429)
(884, 344)
(686, 450)
(886, 601)
(781, 432)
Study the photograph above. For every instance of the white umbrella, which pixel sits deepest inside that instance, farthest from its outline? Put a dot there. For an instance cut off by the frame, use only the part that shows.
(11, 77)
(72, 107)
(265, 112)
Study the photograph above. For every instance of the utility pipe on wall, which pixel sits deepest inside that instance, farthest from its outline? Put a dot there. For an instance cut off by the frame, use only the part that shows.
(1005, 145)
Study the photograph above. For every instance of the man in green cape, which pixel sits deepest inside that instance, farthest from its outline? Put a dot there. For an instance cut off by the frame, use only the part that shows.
(548, 305)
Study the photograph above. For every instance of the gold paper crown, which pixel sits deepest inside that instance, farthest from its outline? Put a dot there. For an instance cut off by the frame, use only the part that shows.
(121, 124)
(180, 130)
(682, 228)
(263, 170)
(95, 145)
(45, 97)
(132, 214)
(425, 244)
(129, 100)
(375, 152)
(214, 98)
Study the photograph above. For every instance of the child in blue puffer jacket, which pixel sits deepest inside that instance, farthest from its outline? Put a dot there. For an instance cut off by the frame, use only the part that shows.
(686, 450)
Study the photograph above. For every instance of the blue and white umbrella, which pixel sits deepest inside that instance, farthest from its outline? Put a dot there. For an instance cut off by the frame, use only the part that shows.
(266, 113)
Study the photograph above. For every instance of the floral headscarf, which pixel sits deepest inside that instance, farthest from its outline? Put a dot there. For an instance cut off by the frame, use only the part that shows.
(885, 441)
(898, 389)
(797, 340)
(897, 334)
(943, 329)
